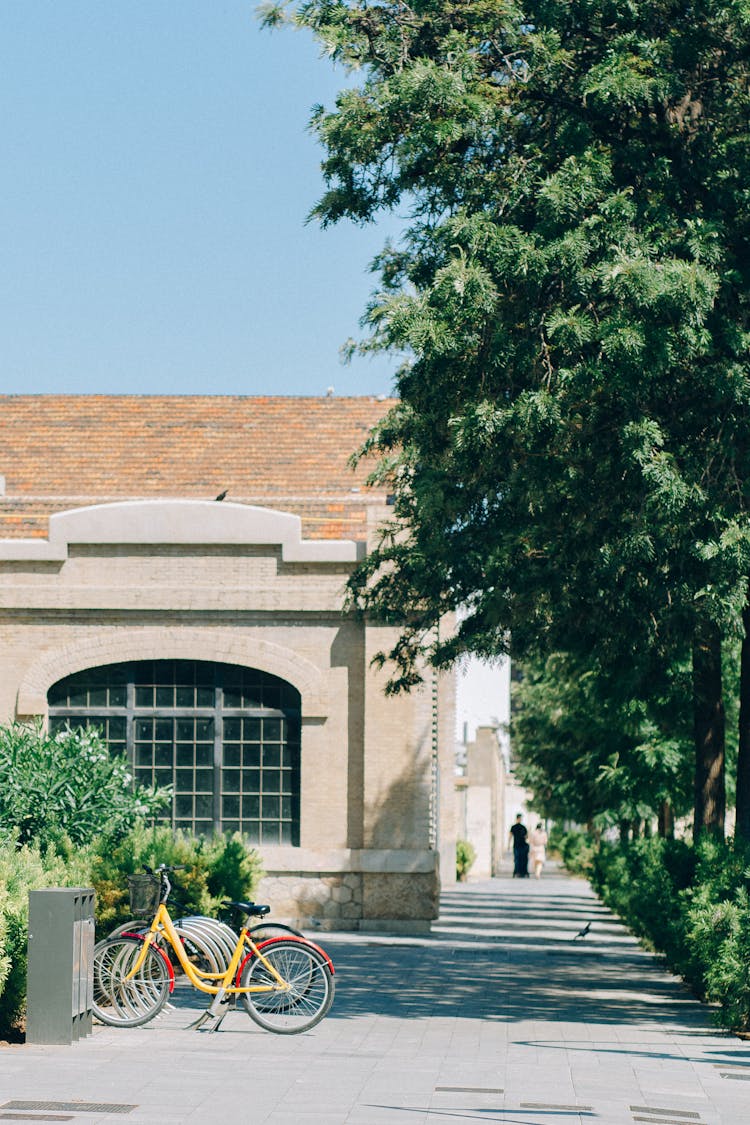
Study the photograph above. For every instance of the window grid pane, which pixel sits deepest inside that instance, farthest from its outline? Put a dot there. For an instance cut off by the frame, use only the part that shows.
(101, 687)
(259, 778)
(257, 772)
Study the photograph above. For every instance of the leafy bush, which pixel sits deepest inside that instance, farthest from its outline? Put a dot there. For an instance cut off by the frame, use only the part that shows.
(575, 848)
(646, 883)
(693, 905)
(24, 869)
(719, 932)
(216, 867)
(66, 785)
(717, 921)
(465, 856)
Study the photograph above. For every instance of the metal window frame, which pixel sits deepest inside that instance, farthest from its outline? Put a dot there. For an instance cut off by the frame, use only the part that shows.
(290, 741)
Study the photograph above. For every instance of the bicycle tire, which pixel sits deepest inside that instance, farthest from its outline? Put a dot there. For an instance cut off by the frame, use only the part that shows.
(134, 926)
(307, 997)
(120, 1002)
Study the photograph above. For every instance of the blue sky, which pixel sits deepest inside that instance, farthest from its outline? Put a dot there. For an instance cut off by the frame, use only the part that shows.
(156, 176)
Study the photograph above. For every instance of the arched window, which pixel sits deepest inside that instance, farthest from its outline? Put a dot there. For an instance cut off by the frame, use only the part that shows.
(226, 738)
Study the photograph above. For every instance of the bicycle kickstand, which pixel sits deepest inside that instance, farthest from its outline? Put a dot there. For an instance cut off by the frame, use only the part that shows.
(215, 1011)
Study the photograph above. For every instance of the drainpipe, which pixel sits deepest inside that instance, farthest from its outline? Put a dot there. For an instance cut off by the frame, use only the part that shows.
(434, 833)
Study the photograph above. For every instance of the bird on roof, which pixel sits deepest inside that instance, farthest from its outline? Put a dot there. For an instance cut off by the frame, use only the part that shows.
(221, 494)
(583, 932)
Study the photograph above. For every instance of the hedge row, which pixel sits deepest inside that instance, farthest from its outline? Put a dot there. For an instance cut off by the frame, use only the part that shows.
(690, 903)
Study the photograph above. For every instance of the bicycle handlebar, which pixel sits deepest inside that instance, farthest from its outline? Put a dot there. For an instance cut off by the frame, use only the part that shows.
(163, 871)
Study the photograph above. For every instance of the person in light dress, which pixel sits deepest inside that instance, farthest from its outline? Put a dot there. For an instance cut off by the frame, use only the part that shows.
(538, 844)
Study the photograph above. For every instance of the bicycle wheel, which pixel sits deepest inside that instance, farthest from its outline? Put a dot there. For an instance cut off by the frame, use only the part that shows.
(122, 1001)
(303, 999)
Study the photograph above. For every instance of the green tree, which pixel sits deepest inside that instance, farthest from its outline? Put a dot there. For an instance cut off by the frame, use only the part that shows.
(589, 753)
(569, 454)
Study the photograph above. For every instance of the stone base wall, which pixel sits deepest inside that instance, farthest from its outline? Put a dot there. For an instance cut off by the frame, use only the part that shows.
(399, 898)
(378, 901)
(313, 901)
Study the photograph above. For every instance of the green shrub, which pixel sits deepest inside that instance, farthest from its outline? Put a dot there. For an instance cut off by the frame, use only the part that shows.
(717, 920)
(234, 867)
(719, 932)
(645, 883)
(66, 785)
(576, 849)
(465, 856)
(215, 867)
(693, 905)
(24, 869)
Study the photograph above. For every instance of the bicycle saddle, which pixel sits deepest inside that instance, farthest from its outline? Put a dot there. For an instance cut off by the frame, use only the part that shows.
(252, 908)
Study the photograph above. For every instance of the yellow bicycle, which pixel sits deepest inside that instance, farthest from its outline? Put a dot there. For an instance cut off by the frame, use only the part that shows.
(285, 984)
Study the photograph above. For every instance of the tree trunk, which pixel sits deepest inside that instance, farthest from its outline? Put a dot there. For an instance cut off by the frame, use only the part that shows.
(666, 820)
(624, 831)
(743, 756)
(709, 732)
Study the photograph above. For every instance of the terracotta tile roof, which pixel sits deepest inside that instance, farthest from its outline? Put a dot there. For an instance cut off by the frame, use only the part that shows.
(64, 451)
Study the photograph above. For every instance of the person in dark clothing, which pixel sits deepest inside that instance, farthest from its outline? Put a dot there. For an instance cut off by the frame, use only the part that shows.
(520, 844)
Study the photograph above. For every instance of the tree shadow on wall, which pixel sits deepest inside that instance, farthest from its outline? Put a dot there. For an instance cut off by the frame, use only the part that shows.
(397, 820)
(398, 814)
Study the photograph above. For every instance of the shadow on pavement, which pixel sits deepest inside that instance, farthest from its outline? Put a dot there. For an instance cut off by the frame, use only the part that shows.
(506, 956)
(491, 985)
(509, 953)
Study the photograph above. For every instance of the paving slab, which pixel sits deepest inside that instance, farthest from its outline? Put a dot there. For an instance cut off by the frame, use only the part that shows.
(501, 1014)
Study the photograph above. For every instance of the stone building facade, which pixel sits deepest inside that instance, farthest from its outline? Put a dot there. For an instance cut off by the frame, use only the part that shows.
(210, 641)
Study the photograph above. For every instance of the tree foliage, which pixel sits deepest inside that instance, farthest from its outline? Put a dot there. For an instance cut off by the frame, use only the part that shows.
(213, 868)
(587, 751)
(569, 455)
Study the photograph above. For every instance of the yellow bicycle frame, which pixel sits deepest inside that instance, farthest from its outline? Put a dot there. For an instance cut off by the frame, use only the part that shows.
(162, 925)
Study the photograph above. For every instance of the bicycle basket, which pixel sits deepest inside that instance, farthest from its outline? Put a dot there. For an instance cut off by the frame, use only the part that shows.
(144, 893)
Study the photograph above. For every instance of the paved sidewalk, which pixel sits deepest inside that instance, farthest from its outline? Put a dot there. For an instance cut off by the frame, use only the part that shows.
(500, 1015)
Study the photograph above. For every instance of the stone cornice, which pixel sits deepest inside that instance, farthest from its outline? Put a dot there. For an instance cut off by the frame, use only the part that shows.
(187, 522)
